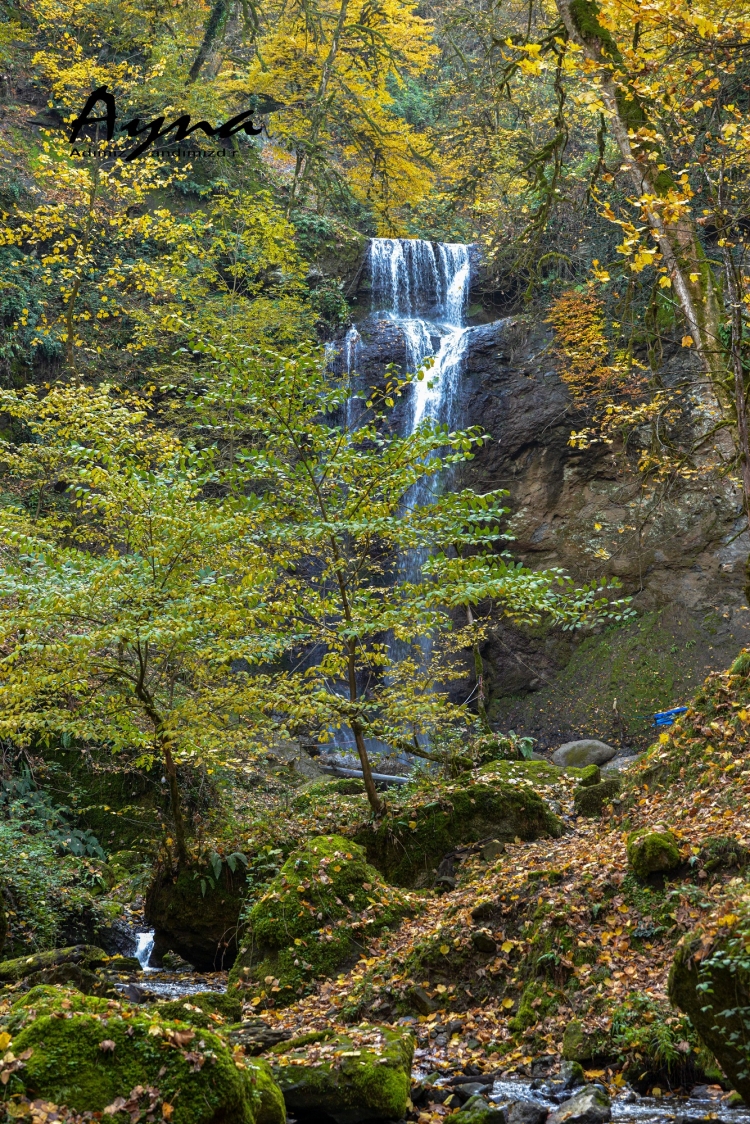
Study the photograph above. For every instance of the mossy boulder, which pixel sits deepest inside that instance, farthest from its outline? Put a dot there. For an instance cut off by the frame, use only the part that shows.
(362, 1075)
(312, 919)
(86, 956)
(590, 776)
(99, 1051)
(580, 1044)
(711, 984)
(196, 917)
(592, 801)
(463, 812)
(203, 1008)
(652, 852)
(477, 1111)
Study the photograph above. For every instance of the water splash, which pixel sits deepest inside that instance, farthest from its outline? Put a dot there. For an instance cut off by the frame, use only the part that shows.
(144, 948)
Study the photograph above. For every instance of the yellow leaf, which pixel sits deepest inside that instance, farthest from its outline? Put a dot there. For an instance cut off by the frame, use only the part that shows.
(445, 949)
(687, 341)
(665, 282)
(4, 1040)
(441, 988)
(413, 824)
(256, 1001)
(507, 1003)
(507, 946)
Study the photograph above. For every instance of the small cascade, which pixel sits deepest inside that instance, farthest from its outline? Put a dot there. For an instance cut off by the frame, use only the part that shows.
(144, 948)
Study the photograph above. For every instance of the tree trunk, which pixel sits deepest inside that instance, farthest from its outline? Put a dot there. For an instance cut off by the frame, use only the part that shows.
(372, 793)
(174, 794)
(212, 36)
(479, 673)
(734, 296)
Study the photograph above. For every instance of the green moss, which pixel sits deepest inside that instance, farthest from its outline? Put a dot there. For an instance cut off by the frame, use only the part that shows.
(368, 1070)
(527, 1015)
(581, 1045)
(68, 1064)
(592, 801)
(539, 773)
(651, 852)
(197, 1009)
(271, 1108)
(590, 776)
(195, 917)
(86, 956)
(460, 813)
(307, 923)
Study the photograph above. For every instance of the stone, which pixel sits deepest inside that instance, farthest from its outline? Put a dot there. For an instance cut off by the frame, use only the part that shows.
(492, 851)
(593, 800)
(472, 811)
(199, 927)
(711, 985)
(590, 775)
(73, 975)
(198, 1008)
(342, 897)
(477, 1111)
(587, 751)
(526, 1112)
(423, 1002)
(620, 764)
(483, 911)
(590, 1106)
(652, 852)
(571, 1075)
(579, 1044)
(483, 942)
(473, 1089)
(67, 1064)
(176, 963)
(255, 1036)
(86, 956)
(369, 1077)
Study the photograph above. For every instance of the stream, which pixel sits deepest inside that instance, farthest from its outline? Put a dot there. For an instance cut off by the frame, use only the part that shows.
(168, 983)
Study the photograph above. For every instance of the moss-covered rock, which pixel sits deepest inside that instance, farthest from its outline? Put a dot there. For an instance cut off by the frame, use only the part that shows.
(269, 1106)
(580, 1044)
(462, 812)
(593, 800)
(85, 955)
(198, 1008)
(477, 1111)
(100, 1051)
(652, 852)
(712, 986)
(590, 776)
(196, 917)
(310, 918)
(364, 1074)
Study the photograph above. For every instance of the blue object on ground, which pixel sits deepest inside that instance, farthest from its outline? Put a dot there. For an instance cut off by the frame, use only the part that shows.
(667, 717)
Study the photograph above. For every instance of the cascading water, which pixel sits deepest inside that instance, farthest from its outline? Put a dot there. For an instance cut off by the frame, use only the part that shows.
(423, 287)
(144, 948)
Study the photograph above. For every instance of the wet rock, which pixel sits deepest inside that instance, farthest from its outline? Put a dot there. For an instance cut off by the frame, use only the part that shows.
(651, 852)
(477, 1111)
(176, 963)
(483, 942)
(592, 801)
(368, 1079)
(124, 964)
(473, 1089)
(587, 751)
(526, 1112)
(571, 1075)
(590, 1106)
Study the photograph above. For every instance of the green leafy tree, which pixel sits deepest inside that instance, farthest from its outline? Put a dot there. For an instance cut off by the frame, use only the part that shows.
(338, 514)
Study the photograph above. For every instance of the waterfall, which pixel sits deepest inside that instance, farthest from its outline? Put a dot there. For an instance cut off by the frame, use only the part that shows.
(144, 948)
(423, 287)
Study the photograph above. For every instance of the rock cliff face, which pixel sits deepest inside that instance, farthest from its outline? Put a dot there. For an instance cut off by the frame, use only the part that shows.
(678, 549)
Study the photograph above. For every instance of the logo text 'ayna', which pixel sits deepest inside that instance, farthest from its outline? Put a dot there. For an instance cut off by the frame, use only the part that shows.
(156, 129)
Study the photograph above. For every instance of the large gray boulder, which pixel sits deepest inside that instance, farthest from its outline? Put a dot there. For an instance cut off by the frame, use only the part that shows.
(587, 751)
(590, 1106)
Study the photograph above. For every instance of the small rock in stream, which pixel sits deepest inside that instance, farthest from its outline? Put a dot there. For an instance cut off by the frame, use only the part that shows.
(590, 1106)
(526, 1112)
(477, 1111)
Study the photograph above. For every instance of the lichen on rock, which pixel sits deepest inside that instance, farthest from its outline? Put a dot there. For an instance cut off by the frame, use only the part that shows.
(312, 919)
